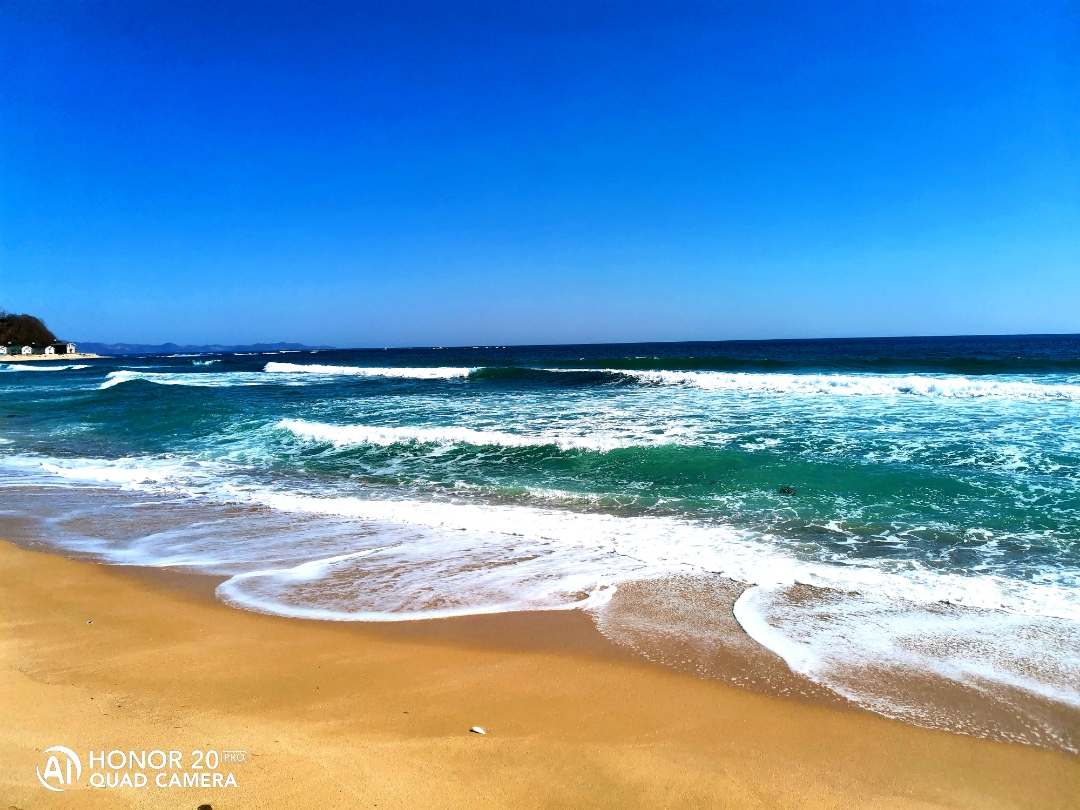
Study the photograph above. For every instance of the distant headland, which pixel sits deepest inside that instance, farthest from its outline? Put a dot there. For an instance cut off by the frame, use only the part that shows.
(24, 337)
(122, 349)
(24, 330)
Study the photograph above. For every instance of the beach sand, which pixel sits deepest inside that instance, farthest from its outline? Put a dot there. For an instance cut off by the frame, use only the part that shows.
(339, 715)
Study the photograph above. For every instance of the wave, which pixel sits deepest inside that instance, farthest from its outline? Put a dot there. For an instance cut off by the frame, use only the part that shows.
(22, 367)
(560, 376)
(287, 373)
(195, 380)
(652, 546)
(416, 373)
(915, 386)
(859, 385)
(344, 435)
(655, 543)
(960, 366)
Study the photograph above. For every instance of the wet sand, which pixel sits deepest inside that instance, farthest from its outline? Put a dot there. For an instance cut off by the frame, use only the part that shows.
(345, 715)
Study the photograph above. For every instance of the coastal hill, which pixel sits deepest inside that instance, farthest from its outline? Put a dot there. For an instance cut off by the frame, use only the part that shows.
(121, 349)
(26, 330)
(23, 330)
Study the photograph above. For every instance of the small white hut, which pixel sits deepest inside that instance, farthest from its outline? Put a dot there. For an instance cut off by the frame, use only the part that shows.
(71, 349)
(3, 351)
(50, 350)
(27, 349)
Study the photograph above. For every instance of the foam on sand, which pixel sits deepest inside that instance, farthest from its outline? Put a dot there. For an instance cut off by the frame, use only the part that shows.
(882, 653)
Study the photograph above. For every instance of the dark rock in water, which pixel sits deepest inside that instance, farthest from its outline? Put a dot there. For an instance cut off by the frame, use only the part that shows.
(786, 490)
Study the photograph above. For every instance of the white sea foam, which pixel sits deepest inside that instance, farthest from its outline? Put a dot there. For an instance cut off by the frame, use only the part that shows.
(417, 373)
(861, 385)
(958, 388)
(652, 546)
(632, 547)
(399, 584)
(863, 646)
(344, 435)
(25, 367)
(129, 473)
(196, 380)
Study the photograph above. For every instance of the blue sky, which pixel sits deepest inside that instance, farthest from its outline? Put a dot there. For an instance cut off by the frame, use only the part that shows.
(441, 173)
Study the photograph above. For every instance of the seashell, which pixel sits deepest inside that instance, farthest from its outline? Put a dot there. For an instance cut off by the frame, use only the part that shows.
(477, 730)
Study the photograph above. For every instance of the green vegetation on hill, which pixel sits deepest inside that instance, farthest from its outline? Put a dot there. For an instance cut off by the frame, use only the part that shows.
(20, 330)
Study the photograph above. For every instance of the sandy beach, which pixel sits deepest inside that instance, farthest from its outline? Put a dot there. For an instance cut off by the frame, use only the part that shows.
(339, 714)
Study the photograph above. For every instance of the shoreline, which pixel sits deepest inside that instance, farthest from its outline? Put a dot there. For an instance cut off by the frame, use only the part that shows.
(630, 629)
(342, 713)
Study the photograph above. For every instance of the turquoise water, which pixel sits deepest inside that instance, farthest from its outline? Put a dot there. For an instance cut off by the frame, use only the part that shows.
(891, 476)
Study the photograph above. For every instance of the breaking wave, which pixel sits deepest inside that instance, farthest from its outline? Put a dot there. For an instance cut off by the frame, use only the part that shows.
(417, 373)
(195, 380)
(22, 367)
(344, 435)
(858, 385)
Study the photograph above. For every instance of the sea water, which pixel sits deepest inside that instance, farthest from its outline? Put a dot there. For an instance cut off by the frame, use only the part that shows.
(896, 522)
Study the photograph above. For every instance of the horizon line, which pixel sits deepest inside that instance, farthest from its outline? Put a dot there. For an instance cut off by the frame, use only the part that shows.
(324, 347)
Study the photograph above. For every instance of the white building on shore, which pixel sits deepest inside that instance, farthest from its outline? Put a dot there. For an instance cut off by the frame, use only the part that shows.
(53, 350)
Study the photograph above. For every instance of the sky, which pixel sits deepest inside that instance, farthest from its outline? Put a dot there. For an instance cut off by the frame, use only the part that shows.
(460, 173)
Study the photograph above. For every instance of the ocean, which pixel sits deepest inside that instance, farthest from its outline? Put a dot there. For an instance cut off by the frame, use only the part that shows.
(889, 523)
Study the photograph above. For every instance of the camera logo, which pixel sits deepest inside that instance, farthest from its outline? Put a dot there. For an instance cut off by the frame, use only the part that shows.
(57, 777)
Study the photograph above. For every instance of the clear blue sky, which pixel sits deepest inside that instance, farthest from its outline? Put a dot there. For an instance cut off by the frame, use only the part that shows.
(424, 173)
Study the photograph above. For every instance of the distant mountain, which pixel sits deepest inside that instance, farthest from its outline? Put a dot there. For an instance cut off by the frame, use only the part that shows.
(121, 349)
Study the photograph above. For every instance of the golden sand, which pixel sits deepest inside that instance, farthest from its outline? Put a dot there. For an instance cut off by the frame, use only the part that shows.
(349, 716)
